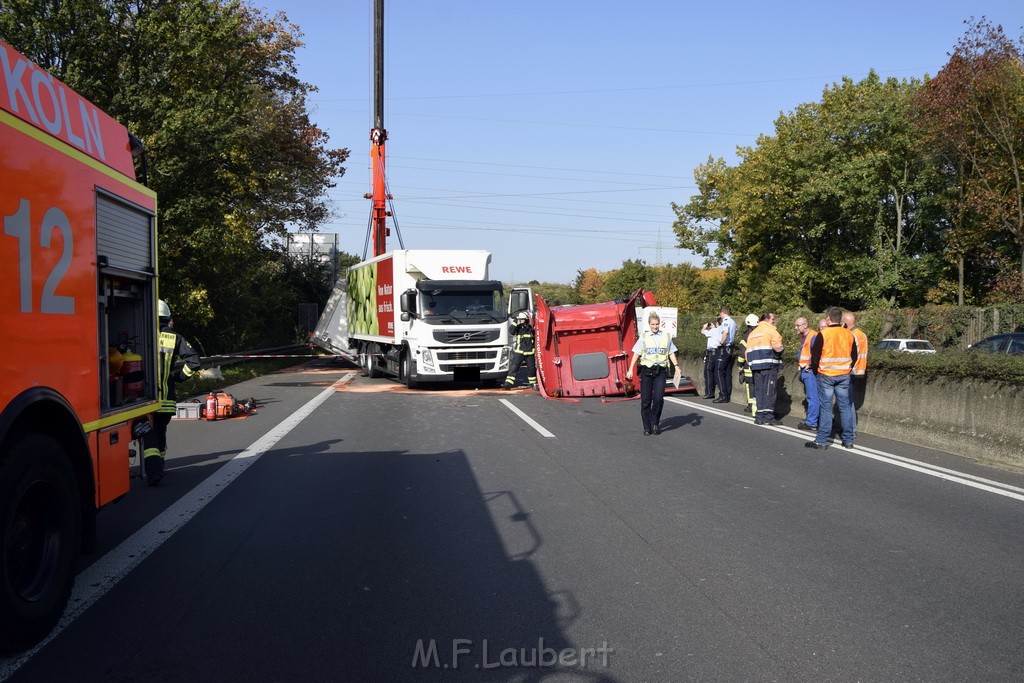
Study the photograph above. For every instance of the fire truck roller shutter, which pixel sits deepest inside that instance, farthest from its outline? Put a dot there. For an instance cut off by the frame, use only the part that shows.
(123, 234)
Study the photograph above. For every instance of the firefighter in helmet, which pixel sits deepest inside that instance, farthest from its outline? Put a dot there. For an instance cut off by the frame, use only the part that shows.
(523, 350)
(746, 374)
(171, 346)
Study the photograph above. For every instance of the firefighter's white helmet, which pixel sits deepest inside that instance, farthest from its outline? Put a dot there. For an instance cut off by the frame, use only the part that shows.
(751, 320)
(162, 309)
(522, 317)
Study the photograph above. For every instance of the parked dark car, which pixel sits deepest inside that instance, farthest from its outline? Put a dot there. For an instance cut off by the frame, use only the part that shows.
(1012, 343)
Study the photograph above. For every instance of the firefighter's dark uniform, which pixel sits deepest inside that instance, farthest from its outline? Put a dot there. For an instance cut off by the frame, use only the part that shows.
(746, 374)
(171, 347)
(764, 358)
(523, 350)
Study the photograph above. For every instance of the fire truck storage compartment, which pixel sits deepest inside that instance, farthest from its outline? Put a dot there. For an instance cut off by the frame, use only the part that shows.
(127, 333)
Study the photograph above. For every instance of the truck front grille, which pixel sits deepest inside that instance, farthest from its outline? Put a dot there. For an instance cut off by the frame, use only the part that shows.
(469, 336)
(450, 356)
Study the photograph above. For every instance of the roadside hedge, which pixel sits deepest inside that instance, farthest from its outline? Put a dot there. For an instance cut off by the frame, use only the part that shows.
(949, 328)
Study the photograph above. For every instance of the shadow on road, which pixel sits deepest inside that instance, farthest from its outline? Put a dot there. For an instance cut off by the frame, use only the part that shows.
(418, 582)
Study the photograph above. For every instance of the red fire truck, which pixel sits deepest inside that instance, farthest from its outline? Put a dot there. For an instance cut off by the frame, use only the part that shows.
(78, 314)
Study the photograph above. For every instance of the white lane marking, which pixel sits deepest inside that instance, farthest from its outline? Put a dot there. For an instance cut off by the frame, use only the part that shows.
(892, 459)
(527, 419)
(107, 572)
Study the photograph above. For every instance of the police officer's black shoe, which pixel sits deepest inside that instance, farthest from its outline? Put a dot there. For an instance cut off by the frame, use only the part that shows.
(154, 480)
(647, 432)
(656, 430)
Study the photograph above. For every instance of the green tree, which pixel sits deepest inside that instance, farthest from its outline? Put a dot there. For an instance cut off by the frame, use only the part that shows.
(831, 209)
(634, 275)
(211, 89)
(555, 294)
(346, 261)
(686, 287)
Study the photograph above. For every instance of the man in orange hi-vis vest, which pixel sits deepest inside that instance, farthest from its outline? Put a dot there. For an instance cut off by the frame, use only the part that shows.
(807, 377)
(833, 354)
(858, 376)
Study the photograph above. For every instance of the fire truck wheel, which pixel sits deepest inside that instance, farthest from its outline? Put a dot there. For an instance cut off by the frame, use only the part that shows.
(407, 369)
(39, 532)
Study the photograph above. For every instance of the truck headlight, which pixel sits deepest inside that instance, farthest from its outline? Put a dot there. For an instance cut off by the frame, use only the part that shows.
(428, 359)
(503, 360)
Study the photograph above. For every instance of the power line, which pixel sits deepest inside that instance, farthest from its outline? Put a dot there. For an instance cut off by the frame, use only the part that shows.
(540, 168)
(541, 213)
(652, 88)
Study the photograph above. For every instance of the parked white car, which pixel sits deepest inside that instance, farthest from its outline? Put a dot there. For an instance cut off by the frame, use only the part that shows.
(906, 345)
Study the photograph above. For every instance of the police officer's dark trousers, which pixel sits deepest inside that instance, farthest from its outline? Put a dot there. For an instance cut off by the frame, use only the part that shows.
(723, 372)
(652, 395)
(710, 371)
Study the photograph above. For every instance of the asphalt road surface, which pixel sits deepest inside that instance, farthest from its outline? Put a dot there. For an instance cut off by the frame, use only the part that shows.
(353, 530)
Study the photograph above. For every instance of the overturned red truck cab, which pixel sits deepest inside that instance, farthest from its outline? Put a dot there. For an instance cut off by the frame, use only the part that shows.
(584, 350)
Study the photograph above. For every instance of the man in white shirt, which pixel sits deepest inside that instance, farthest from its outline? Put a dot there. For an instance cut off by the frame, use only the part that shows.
(714, 336)
(727, 339)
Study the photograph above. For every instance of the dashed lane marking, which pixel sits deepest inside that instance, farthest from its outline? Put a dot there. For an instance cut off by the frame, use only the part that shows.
(528, 420)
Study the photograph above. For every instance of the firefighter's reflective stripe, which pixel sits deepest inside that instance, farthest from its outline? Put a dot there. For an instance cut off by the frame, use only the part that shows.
(804, 357)
(166, 343)
(656, 349)
(836, 351)
(741, 359)
(764, 347)
(524, 343)
(860, 366)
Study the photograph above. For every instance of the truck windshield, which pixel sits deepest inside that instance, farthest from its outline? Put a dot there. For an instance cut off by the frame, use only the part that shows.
(440, 307)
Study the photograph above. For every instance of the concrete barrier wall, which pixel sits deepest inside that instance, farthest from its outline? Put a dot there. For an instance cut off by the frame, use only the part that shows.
(974, 418)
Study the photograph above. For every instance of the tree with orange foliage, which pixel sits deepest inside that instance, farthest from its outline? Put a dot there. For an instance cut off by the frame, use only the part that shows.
(974, 112)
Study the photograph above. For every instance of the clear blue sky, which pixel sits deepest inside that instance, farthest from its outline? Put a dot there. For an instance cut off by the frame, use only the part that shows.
(557, 134)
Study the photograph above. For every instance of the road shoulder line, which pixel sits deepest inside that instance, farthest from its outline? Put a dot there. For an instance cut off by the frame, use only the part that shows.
(101, 576)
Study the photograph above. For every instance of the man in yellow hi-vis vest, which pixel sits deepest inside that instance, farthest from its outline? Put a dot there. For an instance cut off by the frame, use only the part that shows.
(171, 347)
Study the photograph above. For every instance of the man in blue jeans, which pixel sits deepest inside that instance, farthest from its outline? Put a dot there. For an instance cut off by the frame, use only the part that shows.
(833, 353)
(807, 376)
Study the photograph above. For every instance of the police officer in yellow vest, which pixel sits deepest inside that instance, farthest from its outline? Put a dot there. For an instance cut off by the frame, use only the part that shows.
(655, 351)
(523, 351)
(171, 347)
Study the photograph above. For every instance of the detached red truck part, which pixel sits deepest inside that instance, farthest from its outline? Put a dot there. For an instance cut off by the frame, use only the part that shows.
(584, 350)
